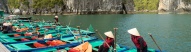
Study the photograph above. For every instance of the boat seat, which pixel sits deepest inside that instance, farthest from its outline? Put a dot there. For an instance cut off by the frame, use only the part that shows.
(24, 39)
(34, 37)
(28, 34)
(39, 45)
(56, 43)
(17, 35)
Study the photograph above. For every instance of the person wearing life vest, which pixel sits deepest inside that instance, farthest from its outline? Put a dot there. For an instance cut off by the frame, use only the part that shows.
(138, 40)
(109, 41)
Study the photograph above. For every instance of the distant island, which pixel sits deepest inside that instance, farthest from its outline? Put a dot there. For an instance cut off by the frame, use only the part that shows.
(65, 7)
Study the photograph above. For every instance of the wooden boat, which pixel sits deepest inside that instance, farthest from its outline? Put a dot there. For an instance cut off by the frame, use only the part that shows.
(25, 19)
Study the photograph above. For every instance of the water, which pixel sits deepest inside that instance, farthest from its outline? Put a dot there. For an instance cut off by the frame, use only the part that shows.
(171, 31)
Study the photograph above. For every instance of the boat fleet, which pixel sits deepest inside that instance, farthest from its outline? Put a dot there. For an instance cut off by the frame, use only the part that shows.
(26, 34)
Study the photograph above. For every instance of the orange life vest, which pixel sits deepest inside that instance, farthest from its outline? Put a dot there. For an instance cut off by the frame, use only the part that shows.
(38, 45)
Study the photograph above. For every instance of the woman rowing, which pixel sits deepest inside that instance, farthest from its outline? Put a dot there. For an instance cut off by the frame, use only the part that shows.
(138, 40)
(107, 43)
(56, 19)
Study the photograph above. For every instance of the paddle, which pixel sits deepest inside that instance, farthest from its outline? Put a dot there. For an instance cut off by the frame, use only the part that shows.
(32, 25)
(154, 41)
(103, 39)
(69, 23)
(115, 29)
(80, 33)
(70, 30)
(87, 33)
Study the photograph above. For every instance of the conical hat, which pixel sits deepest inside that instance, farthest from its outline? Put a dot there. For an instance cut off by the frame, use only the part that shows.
(134, 31)
(109, 34)
(5, 24)
(56, 16)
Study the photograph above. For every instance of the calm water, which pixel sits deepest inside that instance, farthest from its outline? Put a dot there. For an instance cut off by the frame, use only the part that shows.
(171, 31)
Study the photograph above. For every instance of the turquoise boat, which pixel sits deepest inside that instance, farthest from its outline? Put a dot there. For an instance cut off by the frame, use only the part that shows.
(95, 45)
(18, 39)
(11, 35)
(28, 46)
(14, 44)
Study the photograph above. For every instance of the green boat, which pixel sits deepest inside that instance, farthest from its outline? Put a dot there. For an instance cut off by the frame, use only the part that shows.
(14, 44)
(95, 45)
(29, 38)
(28, 46)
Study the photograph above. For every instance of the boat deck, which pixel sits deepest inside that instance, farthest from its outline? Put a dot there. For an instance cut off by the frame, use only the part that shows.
(3, 48)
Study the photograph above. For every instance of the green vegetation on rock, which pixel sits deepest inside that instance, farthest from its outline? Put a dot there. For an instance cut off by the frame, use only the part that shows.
(146, 4)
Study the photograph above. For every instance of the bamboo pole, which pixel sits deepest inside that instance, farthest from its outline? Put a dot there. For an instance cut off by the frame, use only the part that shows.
(154, 41)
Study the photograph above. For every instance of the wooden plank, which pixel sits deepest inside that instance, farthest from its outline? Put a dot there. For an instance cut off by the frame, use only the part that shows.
(3, 48)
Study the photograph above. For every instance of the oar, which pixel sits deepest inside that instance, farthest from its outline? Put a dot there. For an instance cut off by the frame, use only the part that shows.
(103, 39)
(43, 21)
(32, 25)
(154, 41)
(70, 30)
(87, 33)
(115, 29)
(80, 33)
(69, 23)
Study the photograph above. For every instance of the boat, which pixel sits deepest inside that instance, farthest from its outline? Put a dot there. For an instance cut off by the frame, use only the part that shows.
(25, 19)
(28, 46)
(72, 40)
(94, 47)
(18, 39)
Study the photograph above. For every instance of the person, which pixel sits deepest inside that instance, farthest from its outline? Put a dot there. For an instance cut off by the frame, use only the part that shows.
(10, 29)
(138, 40)
(108, 42)
(5, 27)
(56, 19)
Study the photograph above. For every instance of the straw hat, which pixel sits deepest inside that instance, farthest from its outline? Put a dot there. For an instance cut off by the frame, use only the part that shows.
(56, 16)
(5, 24)
(109, 34)
(133, 31)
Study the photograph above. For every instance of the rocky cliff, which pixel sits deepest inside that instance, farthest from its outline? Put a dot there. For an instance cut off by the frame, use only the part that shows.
(3, 6)
(174, 6)
(71, 6)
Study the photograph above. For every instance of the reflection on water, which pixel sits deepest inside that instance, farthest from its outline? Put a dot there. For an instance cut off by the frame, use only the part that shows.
(171, 31)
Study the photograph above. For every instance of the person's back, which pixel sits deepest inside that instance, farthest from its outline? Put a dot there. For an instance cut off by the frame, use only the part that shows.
(10, 29)
(138, 40)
